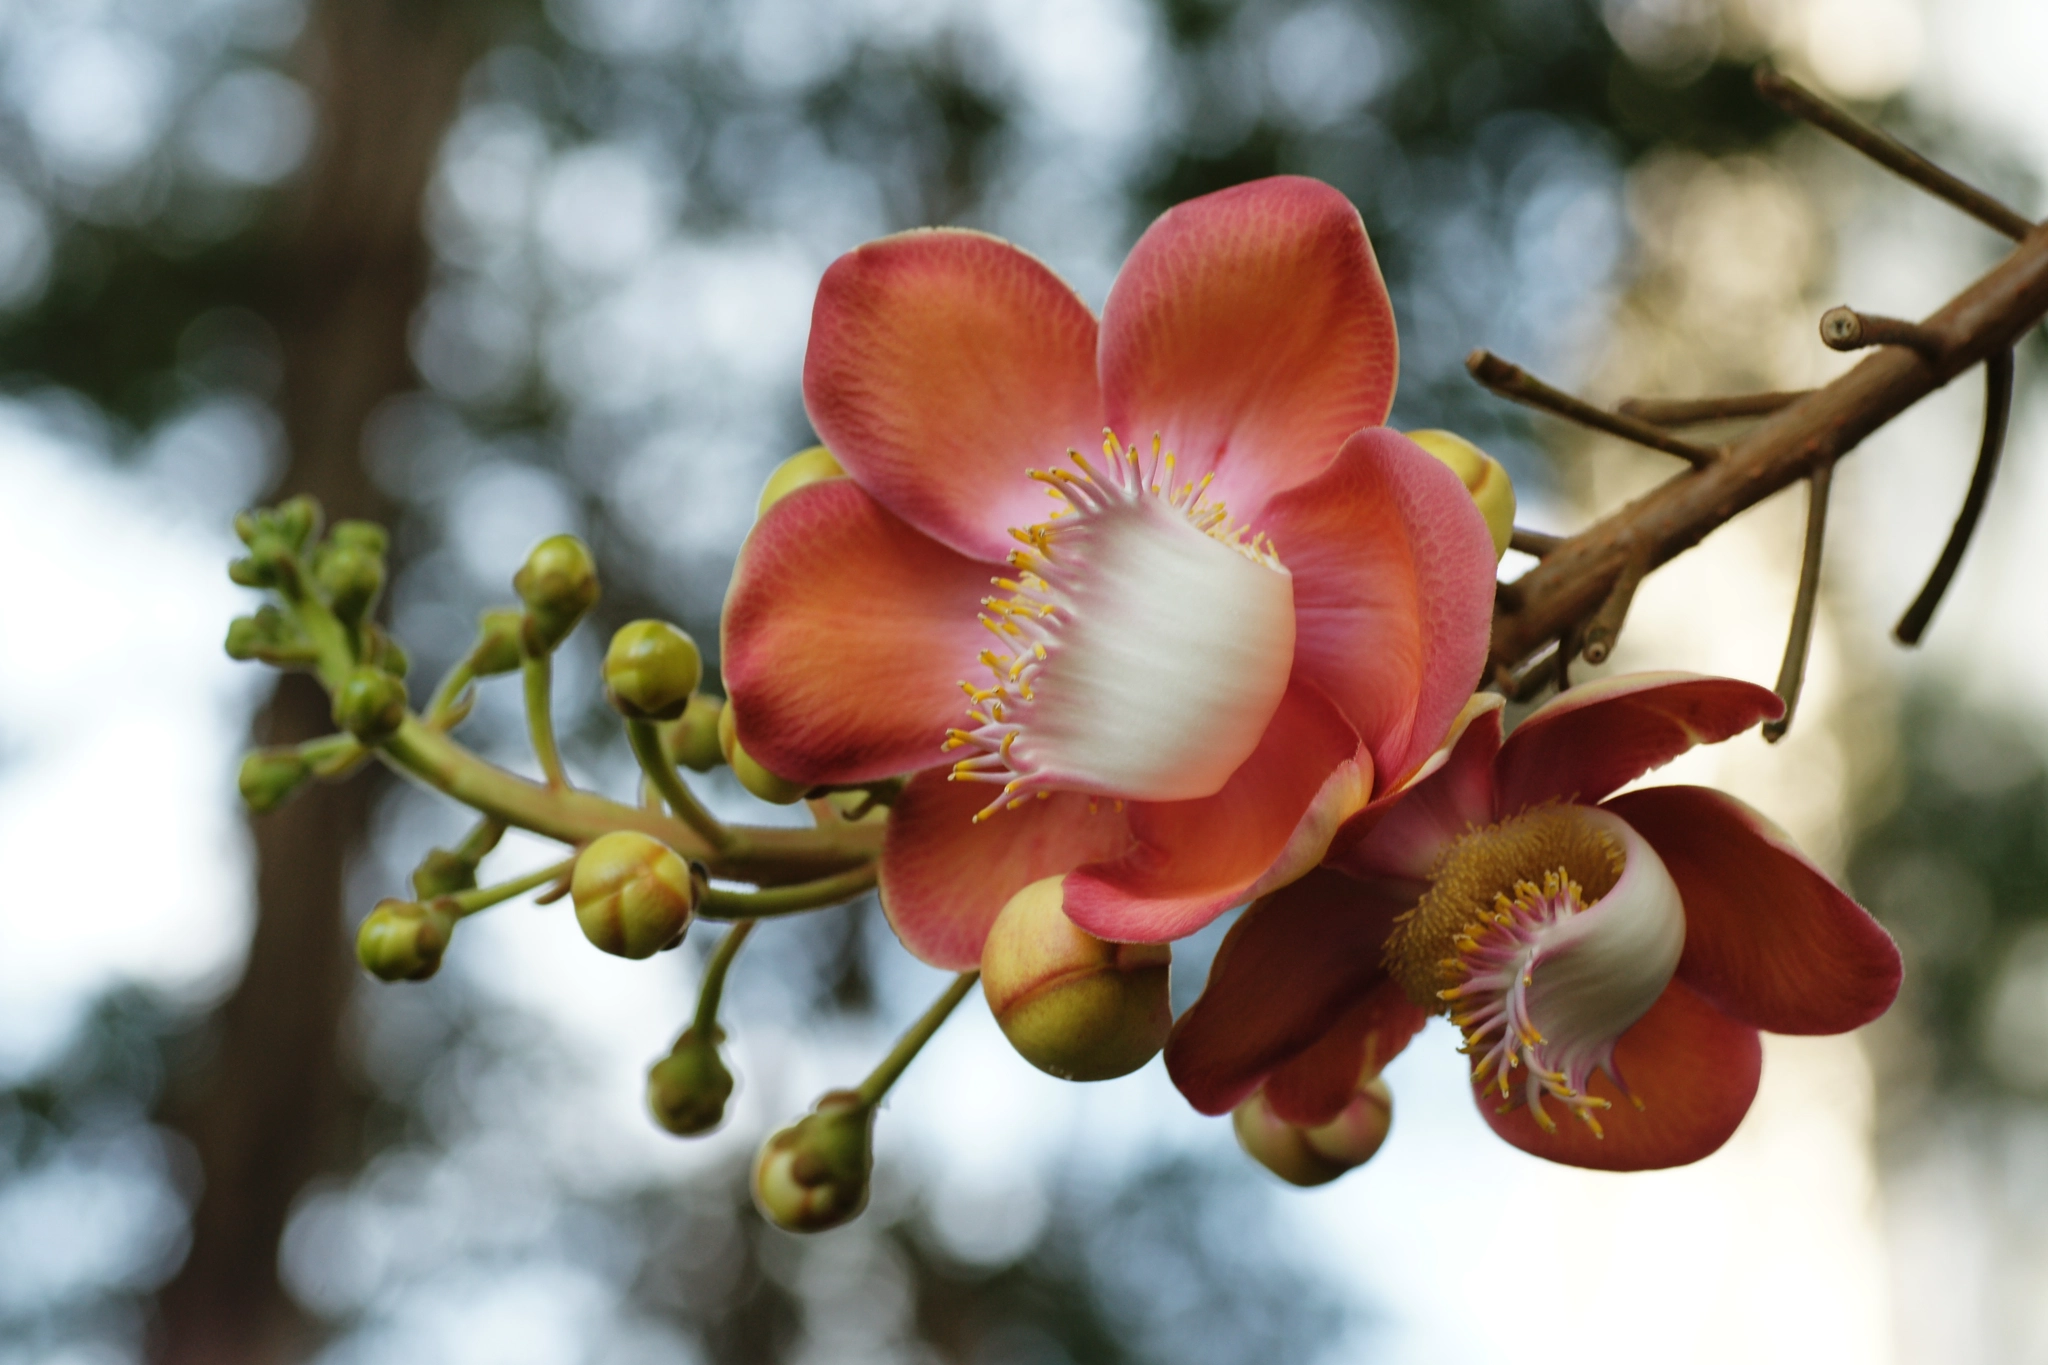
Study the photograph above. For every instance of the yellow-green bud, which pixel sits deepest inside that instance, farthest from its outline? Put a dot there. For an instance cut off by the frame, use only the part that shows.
(1074, 1005)
(558, 583)
(634, 895)
(814, 465)
(1483, 477)
(271, 636)
(270, 777)
(650, 670)
(370, 705)
(771, 788)
(1316, 1156)
(383, 651)
(687, 1090)
(443, 872)
(359, 535)
(297, 520)
(404, 941)
(814, 1175)
(497, 642)
(351, 576)
(692, 738)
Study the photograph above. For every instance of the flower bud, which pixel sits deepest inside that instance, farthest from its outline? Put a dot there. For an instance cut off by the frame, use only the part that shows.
(1074, 1005)
(271, 636)
(359, 535)
(558, 583)
(497, 642)
(687, 1090)
(443, 872)
(634, 895)
(814, 1175)
(351, 576)
(806, 466)
(779, 791)
(297, 520)
(404, 941)
(386, 653)
(1483, 477)
(370, 705)
(270, 777)
(650, 670)
(1318, 1155)
(692, 738)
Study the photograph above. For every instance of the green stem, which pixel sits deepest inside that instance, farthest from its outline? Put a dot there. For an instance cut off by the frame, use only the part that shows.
(442, 707)
(719, 903)
(480, 840)
(714, 977)
(540, 718)
(484, 897)
(912, 1042)
(654, 761)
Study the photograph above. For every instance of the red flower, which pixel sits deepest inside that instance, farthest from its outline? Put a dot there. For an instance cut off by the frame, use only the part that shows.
(1221, 641)
(1612, 962)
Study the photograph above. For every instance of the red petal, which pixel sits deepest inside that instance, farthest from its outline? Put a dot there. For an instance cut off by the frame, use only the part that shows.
(942, 365)
(845, 637)
(1595, 738)
(1251, 331)
(1286, 973)
(946, 878)
(1768, 938)
(1196, 859)
(1398, 838)
(1315, 1086)
(1695, 1070)
(1393, 592)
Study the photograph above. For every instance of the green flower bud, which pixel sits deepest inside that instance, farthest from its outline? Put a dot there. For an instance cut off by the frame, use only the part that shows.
(270, 777)
(1484, 479)
(779, 791)
(370, 705)
(404, 941)
(692, 739)
(687, 1090)
(814, 1175)
(806, 466)
(650, 670)
(558, 583)
(386, 653)
(497, 647)
(443, 872)
(1074, 1005)
(297, 520)
(634, 895)
(351, 576)
(1318, 1155)
(271, 636)
(367, 536)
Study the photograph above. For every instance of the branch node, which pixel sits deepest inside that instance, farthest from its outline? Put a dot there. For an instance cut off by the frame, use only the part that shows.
(1845, 329)
(1513, 382)
(1997, 412)
(1605, 628)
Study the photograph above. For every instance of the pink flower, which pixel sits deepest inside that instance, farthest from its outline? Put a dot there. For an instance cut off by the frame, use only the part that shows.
(1592, 954)
(1179, 673)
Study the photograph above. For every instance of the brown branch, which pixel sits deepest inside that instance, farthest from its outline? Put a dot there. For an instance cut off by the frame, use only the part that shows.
(1538, 543)
(1689, 412)
(1997, 413)
(1889, 152)
(1605, 628)
(1798, 641)
(1985, 319)
(1512, 381)
(1845, 329)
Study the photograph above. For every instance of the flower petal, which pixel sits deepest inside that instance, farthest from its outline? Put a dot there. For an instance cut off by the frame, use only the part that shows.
(942, 365)
(945, 877)
(1694, 1069)
(1768, 938)
(1393, 592)
(1251, 331)
(845, 636)
(1286, 974)
(1595, 738)
(1316, 1085)
(1270, 823)
(1398, 838)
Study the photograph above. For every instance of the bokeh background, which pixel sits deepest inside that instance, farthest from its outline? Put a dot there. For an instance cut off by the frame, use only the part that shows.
(491, 269)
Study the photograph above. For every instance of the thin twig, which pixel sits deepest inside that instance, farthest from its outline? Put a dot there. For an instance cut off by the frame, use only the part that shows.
(1689, 412)
(1889, 152)
(1605, 627)
(1567, 650)
(1512, 381)
(1538, 543)
(1845, 329)
(1792, 672)
(1997, 415)
(914, 1038)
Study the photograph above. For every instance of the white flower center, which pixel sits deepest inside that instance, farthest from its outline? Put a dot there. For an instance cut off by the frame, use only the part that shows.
(1142, 648)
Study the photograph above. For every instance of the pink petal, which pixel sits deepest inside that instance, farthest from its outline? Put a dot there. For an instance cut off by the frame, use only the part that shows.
(945, 878)
(1196, 859)
(1316, 1084)
(1768, 938)
(1595, 738)
(1397, 839)
(845, 636)
(1695, 1070)
(943, 364)
(1286, 974)
(1251, 331)
(1393, 592)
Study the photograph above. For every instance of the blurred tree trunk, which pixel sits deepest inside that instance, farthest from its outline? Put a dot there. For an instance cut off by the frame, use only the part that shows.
(349, 264)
